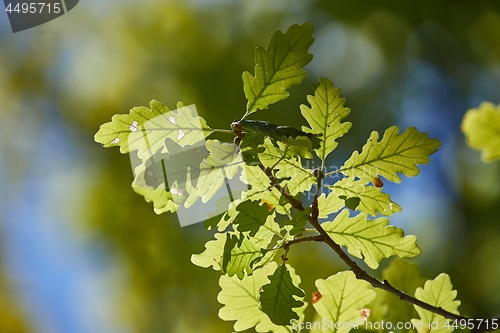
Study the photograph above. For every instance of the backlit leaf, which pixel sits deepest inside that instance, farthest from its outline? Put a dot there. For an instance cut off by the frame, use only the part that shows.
(396, 153)
(342, 298)
(371, 240)
(146, 129)
(438, 292)
(372, 200)
(325, 116)
(279, 67)
(299, 180)
(481, 127)
(241, 301)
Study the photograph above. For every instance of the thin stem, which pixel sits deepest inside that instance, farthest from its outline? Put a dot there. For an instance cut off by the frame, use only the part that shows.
(317, 238)
(220, 130)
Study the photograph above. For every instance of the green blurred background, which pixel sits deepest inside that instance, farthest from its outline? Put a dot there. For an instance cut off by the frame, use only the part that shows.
(81, 252)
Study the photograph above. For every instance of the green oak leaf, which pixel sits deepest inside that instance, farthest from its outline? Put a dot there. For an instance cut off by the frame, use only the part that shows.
(342, 298)
(438, 292)
(251, 216)
(146, 129)
(212, 256)
(329, 204)
(241, 301)
(325, 116)
(222, 163)
(223, 220)
(299, 221)
(372, 200)
(481, 127)
(267, 231)
(279, 67)
(396, 153)
(371, 240)
(161, 198)
(299, 179)
(261, 190)
(233, 254)
(279, 297)
(239, 255)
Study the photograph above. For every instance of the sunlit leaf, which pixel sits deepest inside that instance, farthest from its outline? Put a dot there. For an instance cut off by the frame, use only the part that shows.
(222, 163)
(279, 297)
(329, 204)
(261, 189)
(438, 292)
(146, 129)
(342, 298)
(325, 116)
(299, 179)
(371, 240)
(241, 301)
(212, 256)
(233, 253)
(372, 200)
(396, 153)
(481, 127)
(239, 254)
(266, 232)
(279, 67)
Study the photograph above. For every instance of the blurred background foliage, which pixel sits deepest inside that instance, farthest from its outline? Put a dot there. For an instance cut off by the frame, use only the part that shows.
(81, 252)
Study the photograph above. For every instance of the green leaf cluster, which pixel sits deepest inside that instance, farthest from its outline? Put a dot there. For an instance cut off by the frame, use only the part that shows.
(180, 164)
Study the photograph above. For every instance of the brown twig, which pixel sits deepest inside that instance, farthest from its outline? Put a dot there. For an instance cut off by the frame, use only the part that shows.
(317, 238)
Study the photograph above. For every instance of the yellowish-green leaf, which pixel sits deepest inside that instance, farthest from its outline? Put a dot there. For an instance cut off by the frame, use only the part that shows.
(325, 116)
(396, 153)
(146, 129)
(239, 255)
(266, 232)
(301, 179)
(234, 253)
(261, 190)
(329, 204)
(371, 240)
(438, 292)
(373, 200)
(222, 163)
(481, 127)
(279, 67)
(241, 301)
(342, 298)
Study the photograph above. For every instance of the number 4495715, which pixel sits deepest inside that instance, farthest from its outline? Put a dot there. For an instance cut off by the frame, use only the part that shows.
(489, 324)
(34, 8)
